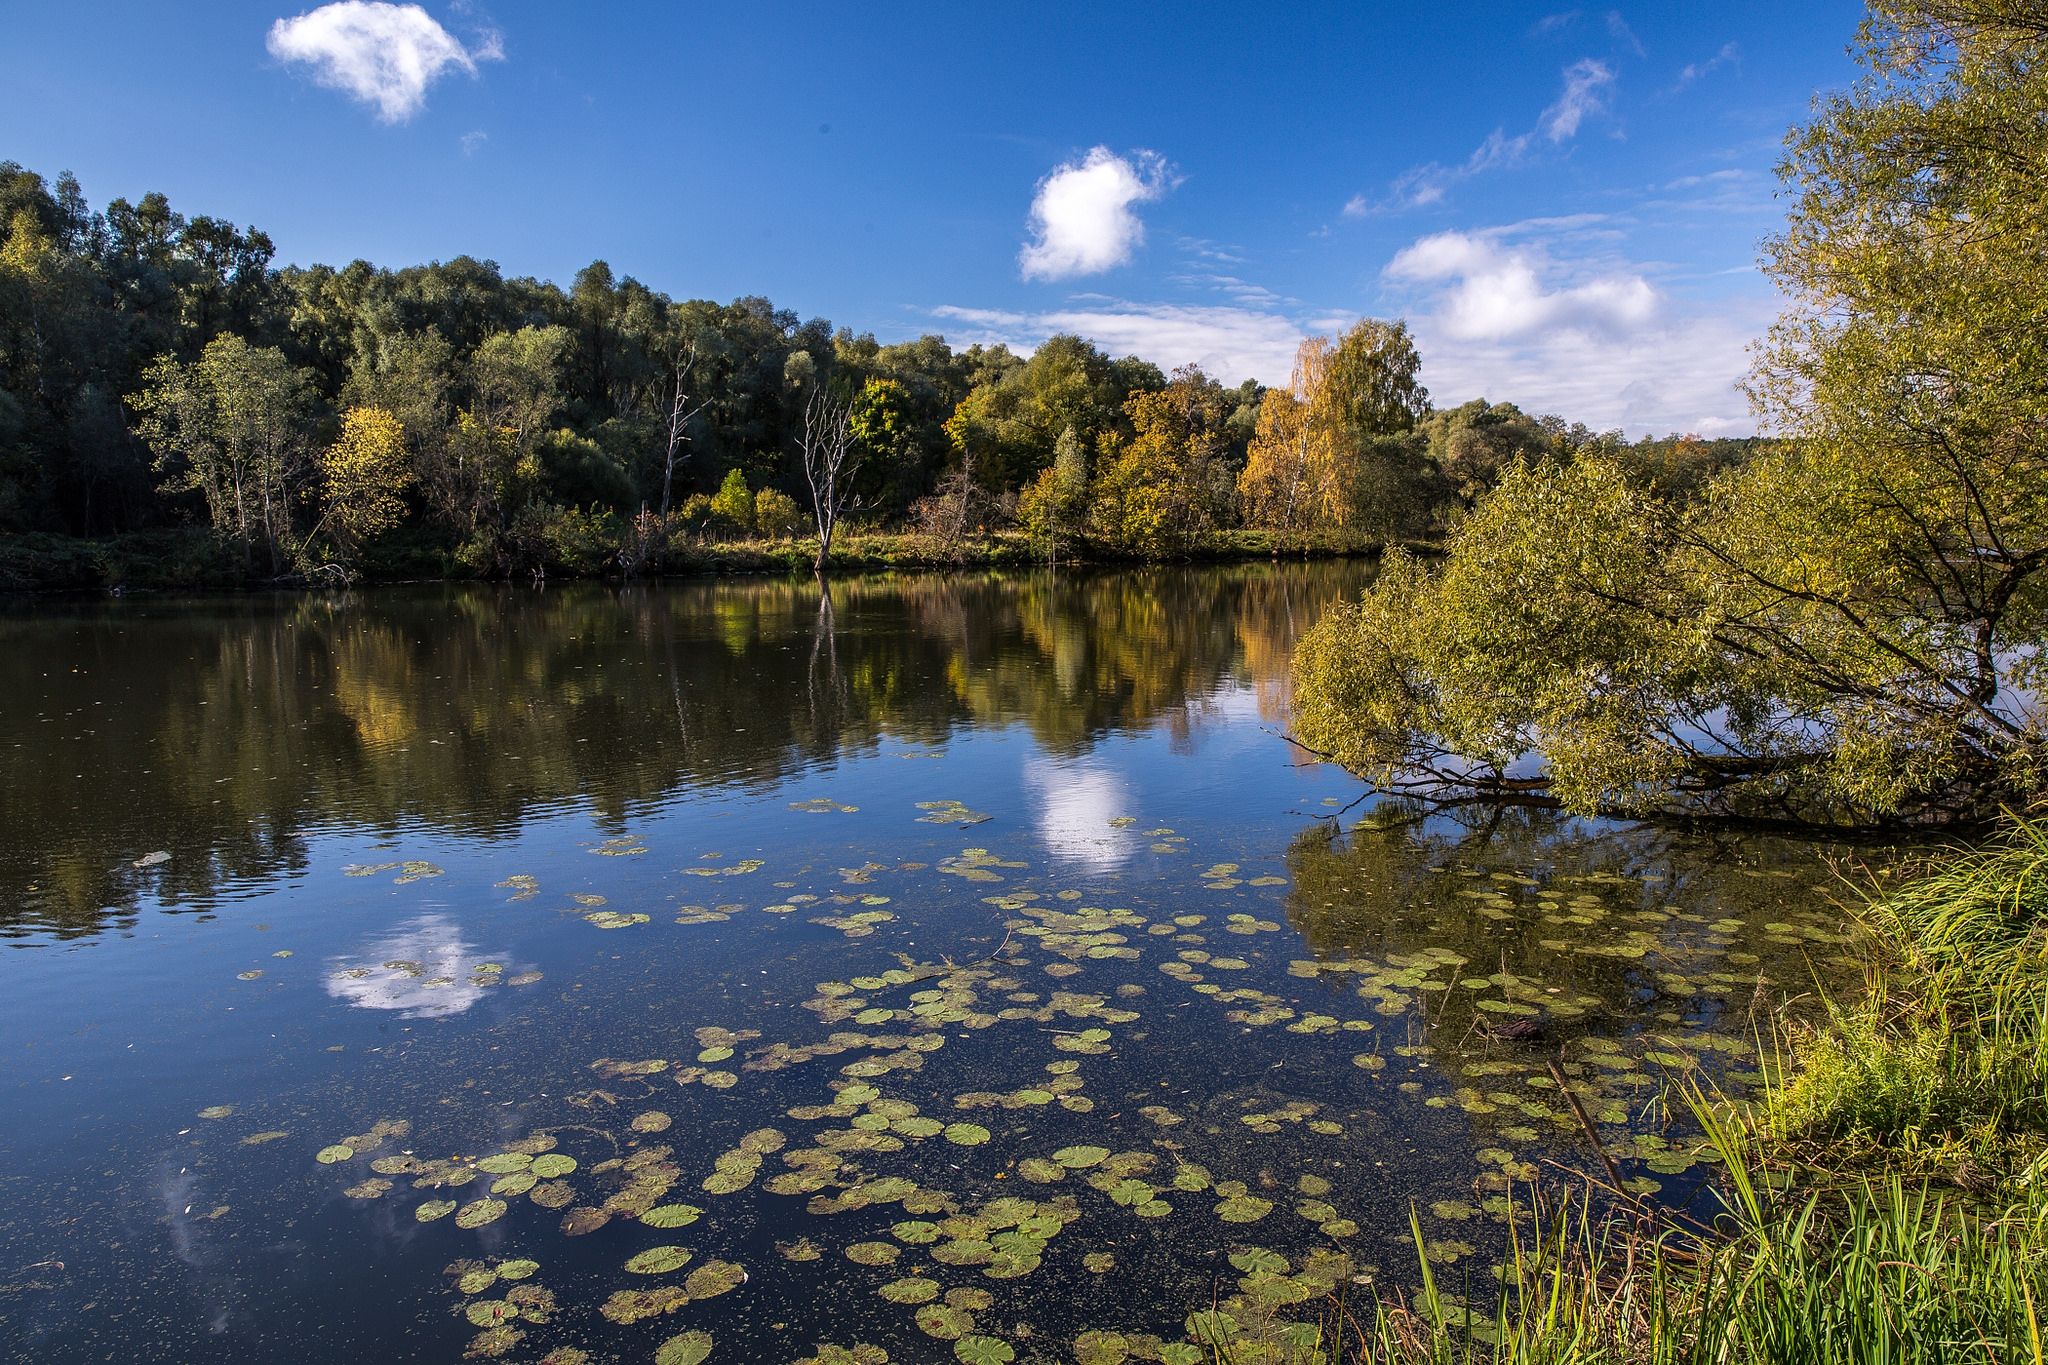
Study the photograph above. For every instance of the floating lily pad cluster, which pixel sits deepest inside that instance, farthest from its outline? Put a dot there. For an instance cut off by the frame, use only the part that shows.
(934, 1199)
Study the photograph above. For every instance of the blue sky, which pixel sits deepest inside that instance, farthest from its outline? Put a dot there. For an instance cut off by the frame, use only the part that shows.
(1565, 203)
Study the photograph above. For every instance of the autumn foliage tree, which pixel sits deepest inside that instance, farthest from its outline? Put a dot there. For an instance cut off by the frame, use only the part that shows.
(363, 478)
(1330, 451)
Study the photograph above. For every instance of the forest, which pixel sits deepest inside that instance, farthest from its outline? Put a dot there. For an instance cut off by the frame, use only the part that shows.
(176, 406)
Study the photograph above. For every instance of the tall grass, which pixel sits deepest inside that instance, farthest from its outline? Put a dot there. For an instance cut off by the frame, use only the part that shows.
(1884, 1272)
(1944, 1059)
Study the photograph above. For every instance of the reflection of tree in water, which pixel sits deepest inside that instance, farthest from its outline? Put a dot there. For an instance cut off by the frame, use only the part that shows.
(220, 731)
(1684, 923)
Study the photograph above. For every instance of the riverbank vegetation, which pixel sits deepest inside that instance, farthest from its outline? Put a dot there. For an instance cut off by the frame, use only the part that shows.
(159, 373)
(1846, 630)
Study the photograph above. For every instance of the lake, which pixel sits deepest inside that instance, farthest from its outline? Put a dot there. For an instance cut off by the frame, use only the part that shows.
(592, 973)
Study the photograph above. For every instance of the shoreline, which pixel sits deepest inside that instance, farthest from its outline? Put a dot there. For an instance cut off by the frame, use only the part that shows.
(192, 560)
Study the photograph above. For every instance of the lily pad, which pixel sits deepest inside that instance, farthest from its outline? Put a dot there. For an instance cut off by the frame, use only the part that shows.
(912, 1289)
(1081, 1157)
(713, 1278)
(671, 1215)
(478, 1212)
(686, 1348)
(658, 1260)
(983, 1351)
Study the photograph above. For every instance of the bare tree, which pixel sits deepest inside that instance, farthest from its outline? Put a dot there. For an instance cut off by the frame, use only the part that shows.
(681, 412)
(830, 458)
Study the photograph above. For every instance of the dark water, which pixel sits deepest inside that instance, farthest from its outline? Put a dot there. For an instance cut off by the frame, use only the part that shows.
(981, 925)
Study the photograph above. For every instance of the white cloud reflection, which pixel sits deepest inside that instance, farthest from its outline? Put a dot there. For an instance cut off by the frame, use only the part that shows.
(1076, 801)
(424, 969)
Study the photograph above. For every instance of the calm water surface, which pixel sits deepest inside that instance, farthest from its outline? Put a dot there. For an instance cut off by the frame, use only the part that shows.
(395, 975)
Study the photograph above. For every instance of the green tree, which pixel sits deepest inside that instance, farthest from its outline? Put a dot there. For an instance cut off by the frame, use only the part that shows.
(733, 503)
(235, 427)
(1053, 508)
(776, 514)
(1166, 486)
(1849, 626)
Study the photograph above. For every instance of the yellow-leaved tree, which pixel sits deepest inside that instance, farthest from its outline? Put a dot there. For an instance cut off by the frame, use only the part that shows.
(363, 477)
(1291, 474)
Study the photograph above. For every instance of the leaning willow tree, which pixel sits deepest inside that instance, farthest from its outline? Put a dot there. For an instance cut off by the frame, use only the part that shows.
(1848, 628)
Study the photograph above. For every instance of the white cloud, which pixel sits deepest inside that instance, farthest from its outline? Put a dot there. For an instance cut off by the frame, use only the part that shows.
(1618, 29)
(1493, 292)
(1729, 54)
(1229, 343)
(382, 54)
(1082, 221)
(1678, 376)
(1076, 802)
(1498, 315)
(1585, 93)
(1586, 86)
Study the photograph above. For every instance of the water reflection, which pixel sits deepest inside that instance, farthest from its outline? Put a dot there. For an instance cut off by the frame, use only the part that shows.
(223, 731)
(1076, 802)
(425, 969)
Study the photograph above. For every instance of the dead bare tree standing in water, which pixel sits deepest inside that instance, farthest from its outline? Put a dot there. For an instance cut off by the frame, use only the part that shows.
(830, 458)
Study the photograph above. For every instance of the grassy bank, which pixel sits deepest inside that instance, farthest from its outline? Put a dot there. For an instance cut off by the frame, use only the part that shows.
(195, 560)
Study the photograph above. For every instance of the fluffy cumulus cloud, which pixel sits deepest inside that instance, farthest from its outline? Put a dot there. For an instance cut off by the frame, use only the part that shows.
(382, 54)
(1083, 218)
(1487, 290)
(1500, 316)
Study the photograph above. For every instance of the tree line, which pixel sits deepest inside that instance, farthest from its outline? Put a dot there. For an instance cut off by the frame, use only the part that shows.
(158, 370)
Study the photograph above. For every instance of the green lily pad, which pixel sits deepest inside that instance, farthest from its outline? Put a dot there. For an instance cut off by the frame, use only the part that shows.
(1082, 1157)
(713, 1278)
(553, 1166)
(671, 1215)
(944, 1321)
(912, 1289)
(478, 1212)
(685, 1348)
(983, 1351)
(966, 1134)
(658, 1260)
(504, 1163)
(433, 1209)
(328, 1156)
(873, 1253)
(1243, 1208)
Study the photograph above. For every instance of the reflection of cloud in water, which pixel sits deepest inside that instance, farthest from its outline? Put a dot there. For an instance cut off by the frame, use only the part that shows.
(425, 969)
(1076, 802)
